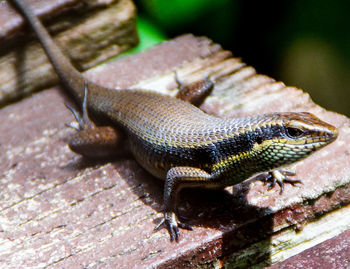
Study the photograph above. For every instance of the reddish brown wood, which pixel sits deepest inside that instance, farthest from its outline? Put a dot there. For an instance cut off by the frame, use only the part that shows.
(61, 210)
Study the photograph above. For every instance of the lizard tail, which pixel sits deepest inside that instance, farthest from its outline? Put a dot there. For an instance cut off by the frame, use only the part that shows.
(65, 70)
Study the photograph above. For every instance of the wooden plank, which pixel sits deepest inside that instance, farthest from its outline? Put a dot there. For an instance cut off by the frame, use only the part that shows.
(332, 253)
(60, 210)
(89, 32)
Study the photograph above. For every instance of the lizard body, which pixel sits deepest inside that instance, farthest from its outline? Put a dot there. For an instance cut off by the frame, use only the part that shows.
(176, 141)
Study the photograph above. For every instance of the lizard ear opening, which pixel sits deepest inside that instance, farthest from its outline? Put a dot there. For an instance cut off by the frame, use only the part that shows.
(259, 140)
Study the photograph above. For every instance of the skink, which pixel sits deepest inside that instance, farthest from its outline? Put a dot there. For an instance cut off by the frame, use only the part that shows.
(176, 141)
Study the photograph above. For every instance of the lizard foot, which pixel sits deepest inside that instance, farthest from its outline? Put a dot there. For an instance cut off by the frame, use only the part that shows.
(171, 222)
(281, 177)
(83, 120)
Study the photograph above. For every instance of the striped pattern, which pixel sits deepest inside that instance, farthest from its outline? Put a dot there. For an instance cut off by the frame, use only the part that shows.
(165, 132)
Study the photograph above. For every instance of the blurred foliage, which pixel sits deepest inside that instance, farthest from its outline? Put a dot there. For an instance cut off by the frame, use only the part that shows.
(303, 43)
(149, 35)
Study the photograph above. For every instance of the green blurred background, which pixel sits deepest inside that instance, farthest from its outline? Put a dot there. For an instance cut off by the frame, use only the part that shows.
(302, 43)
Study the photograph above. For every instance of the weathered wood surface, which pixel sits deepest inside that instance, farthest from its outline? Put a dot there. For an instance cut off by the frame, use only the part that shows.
(88, 31)
(60, 210)
(332, 253)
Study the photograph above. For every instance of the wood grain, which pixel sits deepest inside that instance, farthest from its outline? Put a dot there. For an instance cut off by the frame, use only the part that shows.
(89, 32)
(62, 211)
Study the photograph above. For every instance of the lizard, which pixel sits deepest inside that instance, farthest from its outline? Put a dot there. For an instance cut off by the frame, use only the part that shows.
(176, 141)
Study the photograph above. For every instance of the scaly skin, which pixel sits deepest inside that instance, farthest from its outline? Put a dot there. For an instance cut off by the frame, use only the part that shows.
(176, 141)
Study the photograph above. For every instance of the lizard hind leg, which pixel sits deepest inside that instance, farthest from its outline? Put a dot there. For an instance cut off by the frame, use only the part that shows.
(90, 140)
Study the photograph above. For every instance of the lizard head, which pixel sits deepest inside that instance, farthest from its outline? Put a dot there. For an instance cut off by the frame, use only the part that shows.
(290, 137)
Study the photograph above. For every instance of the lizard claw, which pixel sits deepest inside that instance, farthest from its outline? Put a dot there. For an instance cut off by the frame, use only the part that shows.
(172, 224)
(83, 120)
(77, 117)
(281, 177)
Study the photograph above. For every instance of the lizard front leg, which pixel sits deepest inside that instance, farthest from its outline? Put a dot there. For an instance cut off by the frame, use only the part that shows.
(176, 179)
(195, 92)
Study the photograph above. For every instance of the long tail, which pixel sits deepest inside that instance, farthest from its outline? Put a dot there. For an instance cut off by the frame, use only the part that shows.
(65, 70)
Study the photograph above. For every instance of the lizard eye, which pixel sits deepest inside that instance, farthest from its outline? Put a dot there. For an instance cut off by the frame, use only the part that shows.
(293, 132)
